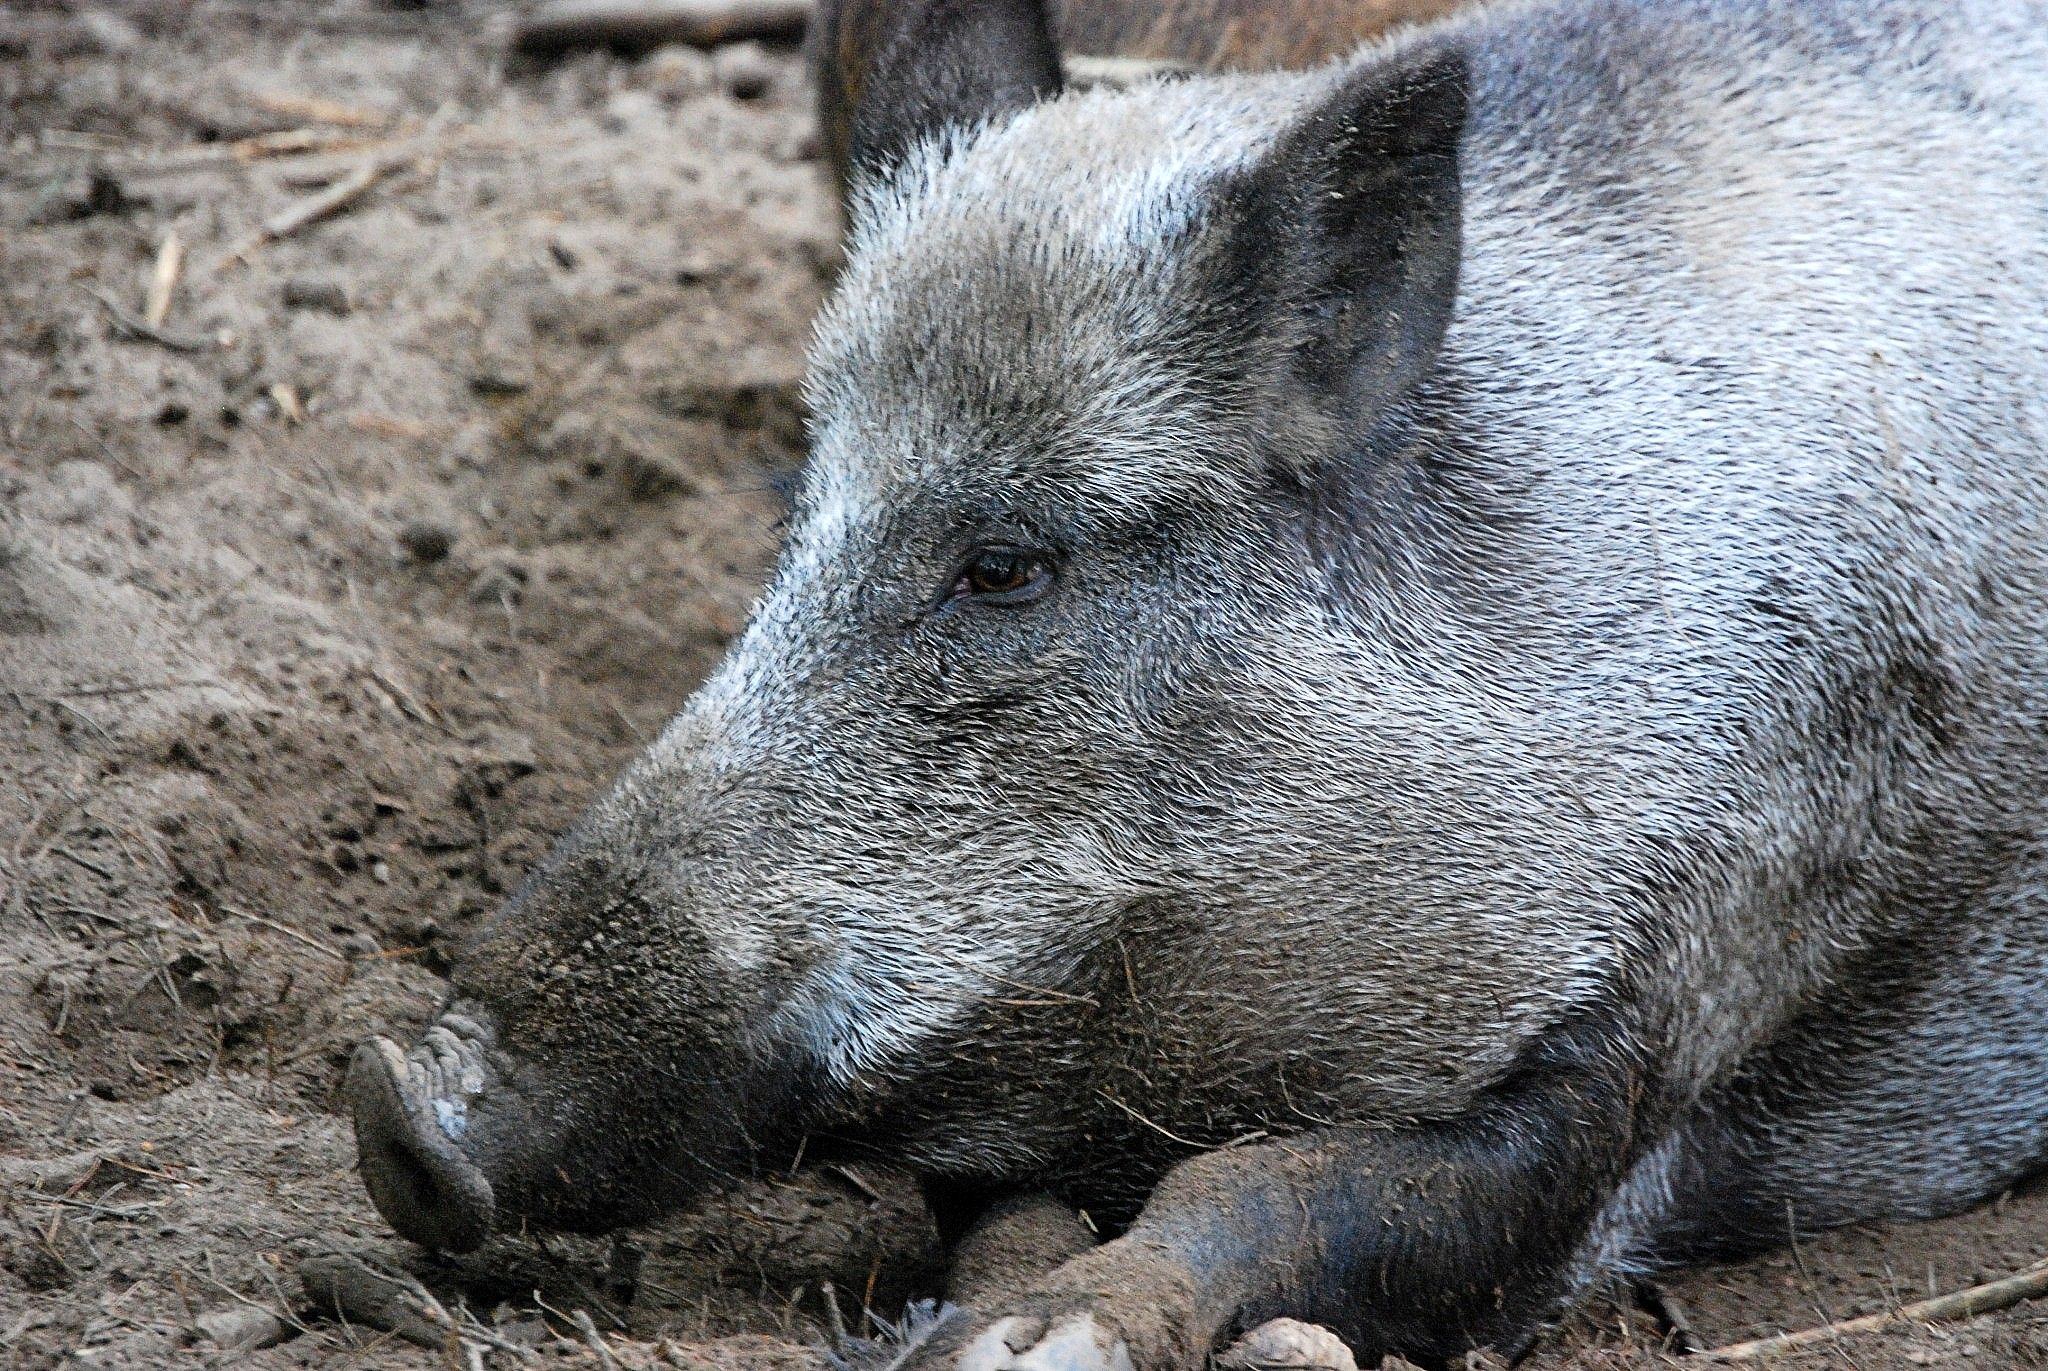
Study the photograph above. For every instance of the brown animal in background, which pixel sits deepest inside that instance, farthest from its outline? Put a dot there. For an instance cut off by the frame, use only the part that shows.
(1224, 35)
(1213, 35)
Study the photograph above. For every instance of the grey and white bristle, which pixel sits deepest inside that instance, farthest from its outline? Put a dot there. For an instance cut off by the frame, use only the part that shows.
(897, 1342)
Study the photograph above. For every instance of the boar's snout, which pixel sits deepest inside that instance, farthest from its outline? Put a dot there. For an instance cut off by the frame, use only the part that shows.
(410, 1108)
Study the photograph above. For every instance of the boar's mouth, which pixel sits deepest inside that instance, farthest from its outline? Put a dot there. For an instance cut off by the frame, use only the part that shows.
(409, 1109)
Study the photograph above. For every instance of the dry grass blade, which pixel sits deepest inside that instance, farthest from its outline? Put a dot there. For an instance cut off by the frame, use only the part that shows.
(286, 398)
(163, 281)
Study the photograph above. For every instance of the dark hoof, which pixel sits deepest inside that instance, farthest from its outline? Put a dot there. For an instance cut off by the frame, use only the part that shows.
(419, 1179)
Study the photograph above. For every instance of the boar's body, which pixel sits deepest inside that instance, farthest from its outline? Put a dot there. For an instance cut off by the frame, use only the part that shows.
(1481, 612)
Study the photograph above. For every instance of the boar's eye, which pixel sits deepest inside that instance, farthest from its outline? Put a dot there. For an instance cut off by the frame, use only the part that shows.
(1003, 576)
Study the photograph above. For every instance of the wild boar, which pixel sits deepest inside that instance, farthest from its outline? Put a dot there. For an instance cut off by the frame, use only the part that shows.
(1416, 681)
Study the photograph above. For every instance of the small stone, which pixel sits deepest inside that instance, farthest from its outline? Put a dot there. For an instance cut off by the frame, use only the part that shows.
(115, 35)
(426, 540)
(497, 377)
(745, 70)
(759, 387)
(94, 192)
(648, 475)
(696, 264)
(1290, 1344)
(628, 109)
(805, 144)
(500, 583)
(677, 72)
(502, 755)
(309, 292)
(240, 1327)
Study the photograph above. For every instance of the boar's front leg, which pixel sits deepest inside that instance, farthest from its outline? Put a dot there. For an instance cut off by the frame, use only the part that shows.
(1425, 1240)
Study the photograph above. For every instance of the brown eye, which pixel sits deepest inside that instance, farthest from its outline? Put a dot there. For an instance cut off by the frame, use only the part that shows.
(1006, 575)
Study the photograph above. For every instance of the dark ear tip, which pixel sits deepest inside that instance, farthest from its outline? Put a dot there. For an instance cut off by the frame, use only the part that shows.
(1414, 101)
(1443, 75)
(901, 71)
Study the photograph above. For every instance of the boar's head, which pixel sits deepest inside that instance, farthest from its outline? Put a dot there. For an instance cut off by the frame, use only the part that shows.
(1095, 777)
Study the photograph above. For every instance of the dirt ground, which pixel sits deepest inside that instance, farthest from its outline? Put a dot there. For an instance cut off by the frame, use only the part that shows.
(327, 599)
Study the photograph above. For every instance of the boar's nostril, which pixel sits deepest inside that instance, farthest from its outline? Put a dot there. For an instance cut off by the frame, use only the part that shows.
(419, 1179)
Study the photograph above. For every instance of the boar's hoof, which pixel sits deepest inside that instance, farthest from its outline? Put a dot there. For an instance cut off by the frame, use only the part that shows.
(421, 1182)
(1074, 1344)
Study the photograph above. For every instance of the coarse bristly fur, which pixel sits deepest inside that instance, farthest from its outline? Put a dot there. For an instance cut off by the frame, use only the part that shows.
(1617, 710)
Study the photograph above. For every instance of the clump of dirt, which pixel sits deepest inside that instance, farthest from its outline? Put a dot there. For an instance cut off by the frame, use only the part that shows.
(332, 592)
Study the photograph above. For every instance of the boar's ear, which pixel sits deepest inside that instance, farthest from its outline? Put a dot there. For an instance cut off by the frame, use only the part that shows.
(1350, 231)
(893, 72)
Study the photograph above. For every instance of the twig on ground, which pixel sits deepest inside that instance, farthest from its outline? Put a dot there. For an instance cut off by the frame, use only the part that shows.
(581, 1318)
(835, 1321)
(84, 863)
(356, 1291)
(1658, 1300)
(133, 326)
(288, 931)
(857, 1181)
(282, 1313)
(1827, 1315)
(321, 111)
(1959, 1304)
(314, 208)
(106, 448)
(163, 281)
(360, 1289)
(557, 26)
(257, 147)
(94, 724)
(95, 1208)
(1160, 1129)
(430, 145)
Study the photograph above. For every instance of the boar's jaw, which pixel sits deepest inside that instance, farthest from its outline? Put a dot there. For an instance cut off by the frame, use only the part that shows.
(408, 1109)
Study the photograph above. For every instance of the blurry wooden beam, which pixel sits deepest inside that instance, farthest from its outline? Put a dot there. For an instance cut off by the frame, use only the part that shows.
(553, 27)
